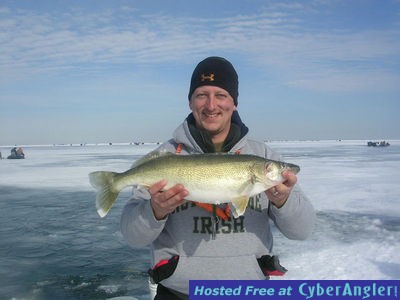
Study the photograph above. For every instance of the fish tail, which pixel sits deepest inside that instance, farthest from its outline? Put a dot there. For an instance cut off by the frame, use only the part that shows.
(103, 182)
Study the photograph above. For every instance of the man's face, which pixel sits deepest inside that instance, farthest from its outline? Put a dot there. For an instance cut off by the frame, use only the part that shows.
(212, 109)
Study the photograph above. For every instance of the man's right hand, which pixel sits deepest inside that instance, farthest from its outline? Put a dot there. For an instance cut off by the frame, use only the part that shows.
(165, 202)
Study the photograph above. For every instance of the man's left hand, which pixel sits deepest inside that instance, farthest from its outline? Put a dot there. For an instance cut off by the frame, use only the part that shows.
(279, 194)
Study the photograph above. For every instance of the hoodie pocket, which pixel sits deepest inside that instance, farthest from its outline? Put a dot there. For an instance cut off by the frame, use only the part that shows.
(243, 267)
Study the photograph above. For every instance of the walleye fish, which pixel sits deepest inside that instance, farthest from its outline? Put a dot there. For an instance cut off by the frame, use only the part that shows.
(209, 178)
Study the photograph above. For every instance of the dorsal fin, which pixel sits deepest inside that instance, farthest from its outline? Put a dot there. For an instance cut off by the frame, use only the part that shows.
(150, 156)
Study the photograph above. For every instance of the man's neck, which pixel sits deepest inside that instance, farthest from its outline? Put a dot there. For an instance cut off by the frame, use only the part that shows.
(218, 147)
(219, 138)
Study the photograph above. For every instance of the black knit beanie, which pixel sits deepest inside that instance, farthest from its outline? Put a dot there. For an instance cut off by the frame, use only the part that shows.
(216, 71)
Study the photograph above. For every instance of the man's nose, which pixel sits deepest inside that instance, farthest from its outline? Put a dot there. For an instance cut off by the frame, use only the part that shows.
(211, 102)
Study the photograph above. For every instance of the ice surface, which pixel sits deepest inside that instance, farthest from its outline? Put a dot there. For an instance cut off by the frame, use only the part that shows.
(54, 245)
(356, 192)
(67, 166)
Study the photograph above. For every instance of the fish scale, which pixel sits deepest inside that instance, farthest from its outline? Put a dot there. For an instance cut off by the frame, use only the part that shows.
(209, 178)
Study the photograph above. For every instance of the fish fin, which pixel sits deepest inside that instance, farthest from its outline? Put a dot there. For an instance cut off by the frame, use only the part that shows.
(247, 186)
(150, 156)
(239, 206)
(103, 182)
(144, 186)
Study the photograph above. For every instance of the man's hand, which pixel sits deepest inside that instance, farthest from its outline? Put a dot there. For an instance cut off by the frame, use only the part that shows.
(279, 194)
(165, 202)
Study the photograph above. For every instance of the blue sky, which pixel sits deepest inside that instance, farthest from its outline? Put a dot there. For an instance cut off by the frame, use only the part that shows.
(119, 71)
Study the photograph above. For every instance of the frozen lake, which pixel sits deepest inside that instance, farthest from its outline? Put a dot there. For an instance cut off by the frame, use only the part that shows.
(55, 246)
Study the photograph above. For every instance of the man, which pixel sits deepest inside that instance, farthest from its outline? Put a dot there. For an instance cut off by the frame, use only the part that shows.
(187, 240)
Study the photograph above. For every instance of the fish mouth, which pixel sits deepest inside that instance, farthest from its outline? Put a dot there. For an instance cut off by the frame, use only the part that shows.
(293, 168)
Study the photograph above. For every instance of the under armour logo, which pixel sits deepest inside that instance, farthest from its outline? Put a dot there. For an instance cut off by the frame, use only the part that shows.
(207, 77)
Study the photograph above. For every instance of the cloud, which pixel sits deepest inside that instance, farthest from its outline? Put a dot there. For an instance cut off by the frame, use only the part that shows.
(276, 38)
(349, 81)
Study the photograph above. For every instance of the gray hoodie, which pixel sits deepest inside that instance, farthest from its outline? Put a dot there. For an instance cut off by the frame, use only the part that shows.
(187, 231)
